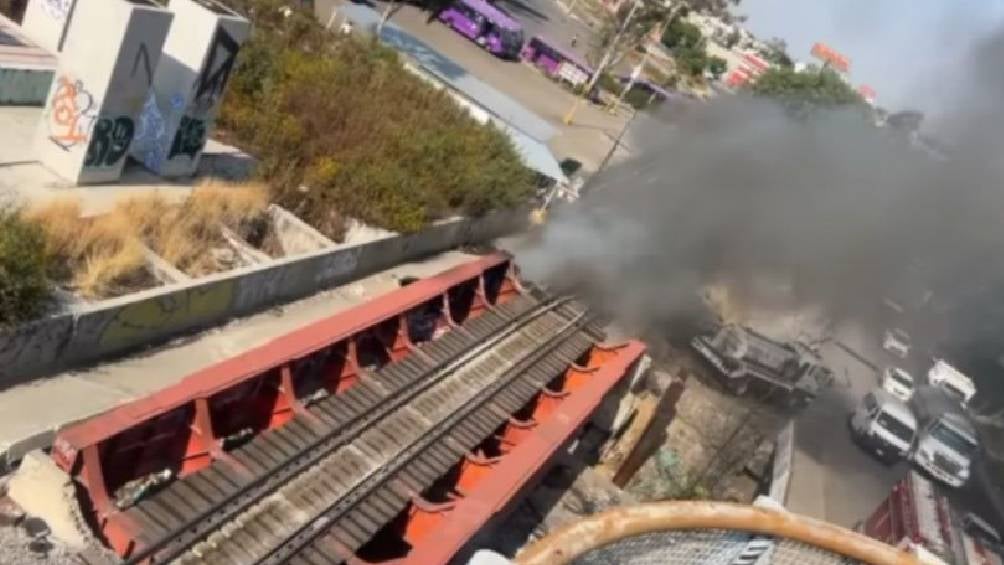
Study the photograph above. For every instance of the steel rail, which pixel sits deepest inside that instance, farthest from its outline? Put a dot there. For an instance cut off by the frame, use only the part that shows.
(182, 538)
(321, 524)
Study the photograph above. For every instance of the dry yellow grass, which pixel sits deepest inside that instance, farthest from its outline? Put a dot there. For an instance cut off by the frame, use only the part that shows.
(227, 203)
(98, 256)
(185, 234)
(61, 222)
(102, 256)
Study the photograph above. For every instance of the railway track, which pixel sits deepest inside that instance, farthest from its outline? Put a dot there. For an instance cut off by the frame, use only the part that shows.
(318, 488)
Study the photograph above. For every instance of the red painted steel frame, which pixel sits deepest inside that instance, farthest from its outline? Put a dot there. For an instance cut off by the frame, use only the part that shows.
(437, 532)
(193, 409)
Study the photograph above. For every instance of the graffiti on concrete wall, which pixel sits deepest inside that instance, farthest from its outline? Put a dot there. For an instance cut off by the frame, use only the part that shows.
(33, 346)
(207, 91)
(137, 322)
(150, 131)
(190, 139)
(71, 114)
(142, 63)
(338, 264)
(216, 72)
(110, 141)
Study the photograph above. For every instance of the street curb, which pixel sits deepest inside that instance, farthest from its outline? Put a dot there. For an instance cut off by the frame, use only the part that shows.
(783, 454)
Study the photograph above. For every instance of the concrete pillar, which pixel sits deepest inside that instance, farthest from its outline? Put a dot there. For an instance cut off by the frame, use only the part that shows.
(104, 73)
(45, 22)
(198, 59)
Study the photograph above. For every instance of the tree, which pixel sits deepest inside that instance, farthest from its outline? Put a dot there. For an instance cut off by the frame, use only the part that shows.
(647, 17)
(811, 88)
(717, 67)
(776, 51)
(682, 34)
(619, 42)
(689, 48)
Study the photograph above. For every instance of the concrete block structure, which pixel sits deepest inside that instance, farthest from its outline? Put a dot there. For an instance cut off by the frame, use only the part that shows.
(189, 82)
(104, 73)
(46, 21)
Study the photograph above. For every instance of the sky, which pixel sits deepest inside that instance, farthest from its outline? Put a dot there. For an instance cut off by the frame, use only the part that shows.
(905, 49)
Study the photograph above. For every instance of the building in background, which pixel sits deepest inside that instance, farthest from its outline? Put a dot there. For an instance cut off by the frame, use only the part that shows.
(749, 68)
(868, 94)
(831, 58)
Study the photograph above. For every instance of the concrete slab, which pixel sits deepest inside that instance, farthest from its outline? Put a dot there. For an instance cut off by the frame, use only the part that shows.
(30, 414)
(44, 490)
(23, 180)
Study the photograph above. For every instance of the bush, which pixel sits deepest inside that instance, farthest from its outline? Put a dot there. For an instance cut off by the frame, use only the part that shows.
(98, 257)
(344, 130)
(24, 287)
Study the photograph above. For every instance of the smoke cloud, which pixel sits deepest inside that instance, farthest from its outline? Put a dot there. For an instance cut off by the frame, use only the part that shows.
(826, 211)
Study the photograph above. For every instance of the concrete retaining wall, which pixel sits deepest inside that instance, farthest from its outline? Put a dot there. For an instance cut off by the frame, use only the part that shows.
(783, 453)
(119, 325)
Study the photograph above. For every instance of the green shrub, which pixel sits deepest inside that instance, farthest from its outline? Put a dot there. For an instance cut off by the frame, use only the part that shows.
(609, 83)
(24, 288)
(342, 129)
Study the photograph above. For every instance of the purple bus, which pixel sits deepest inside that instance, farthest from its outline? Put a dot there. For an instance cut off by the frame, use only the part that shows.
(486, 25)
(555, 62)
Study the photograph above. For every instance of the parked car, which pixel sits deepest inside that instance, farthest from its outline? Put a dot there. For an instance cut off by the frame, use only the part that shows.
(897, 382)
(897, 342)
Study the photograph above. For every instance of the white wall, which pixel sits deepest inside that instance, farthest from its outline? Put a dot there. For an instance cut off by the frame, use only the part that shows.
(188, 86)
(45, 20)
(101, 81)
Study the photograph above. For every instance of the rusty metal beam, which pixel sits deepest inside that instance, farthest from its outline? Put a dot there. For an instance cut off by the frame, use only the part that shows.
(517, 468)
(294, 345)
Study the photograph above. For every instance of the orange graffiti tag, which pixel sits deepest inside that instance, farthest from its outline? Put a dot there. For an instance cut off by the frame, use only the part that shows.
(70, 104)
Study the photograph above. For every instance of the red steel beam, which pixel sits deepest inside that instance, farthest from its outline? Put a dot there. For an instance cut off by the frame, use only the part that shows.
(517, 468)
(204, 383)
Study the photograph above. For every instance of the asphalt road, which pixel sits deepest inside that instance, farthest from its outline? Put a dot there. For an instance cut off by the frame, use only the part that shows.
(832, 478)
(835, 480)
(548, 19)
(587, 139)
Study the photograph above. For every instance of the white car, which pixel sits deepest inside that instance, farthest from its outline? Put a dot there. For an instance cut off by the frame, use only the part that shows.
(897, 342)
(898, 383)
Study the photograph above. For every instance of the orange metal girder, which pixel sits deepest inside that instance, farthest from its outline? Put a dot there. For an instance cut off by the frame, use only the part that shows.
(548, 402)
(518, 467)
(515, 432)
(423, 518)
(577, 377)
(294, 345)
(473, 469)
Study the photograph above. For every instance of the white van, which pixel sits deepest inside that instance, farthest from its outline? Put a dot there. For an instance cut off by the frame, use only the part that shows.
(884, 424)
(897, 342)
(952, 381)
(898, 383)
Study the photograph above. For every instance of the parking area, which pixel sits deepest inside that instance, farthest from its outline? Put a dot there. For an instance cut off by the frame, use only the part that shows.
(590, 135)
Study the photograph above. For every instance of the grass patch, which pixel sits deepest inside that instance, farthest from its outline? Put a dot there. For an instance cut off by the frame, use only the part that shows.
(104, 256)
(97, 257)
(188, 235)
(25, 292)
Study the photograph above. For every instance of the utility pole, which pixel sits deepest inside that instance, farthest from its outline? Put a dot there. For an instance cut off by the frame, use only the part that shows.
(603, 62)
(640, 67)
